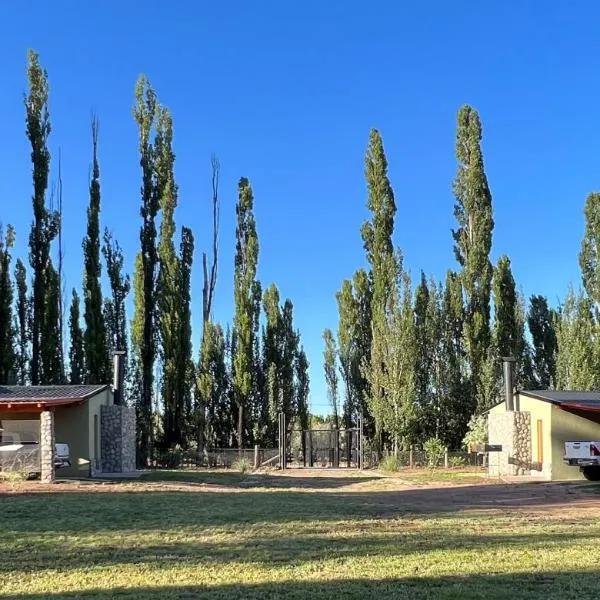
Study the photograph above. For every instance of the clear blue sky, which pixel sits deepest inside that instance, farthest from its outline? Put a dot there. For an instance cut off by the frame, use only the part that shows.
(285, 93)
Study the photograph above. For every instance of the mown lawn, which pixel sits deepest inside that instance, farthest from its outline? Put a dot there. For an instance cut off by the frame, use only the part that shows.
(231, 536)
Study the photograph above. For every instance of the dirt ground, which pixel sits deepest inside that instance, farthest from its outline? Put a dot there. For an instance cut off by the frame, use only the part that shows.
(395, 494)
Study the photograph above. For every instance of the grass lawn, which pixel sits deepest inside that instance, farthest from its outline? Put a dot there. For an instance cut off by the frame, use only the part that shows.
(303, 536)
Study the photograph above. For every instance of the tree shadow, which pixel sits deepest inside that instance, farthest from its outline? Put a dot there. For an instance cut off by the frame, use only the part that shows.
(511, 586)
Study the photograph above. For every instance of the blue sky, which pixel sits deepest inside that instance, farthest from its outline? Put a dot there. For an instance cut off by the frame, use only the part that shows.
(285, 93)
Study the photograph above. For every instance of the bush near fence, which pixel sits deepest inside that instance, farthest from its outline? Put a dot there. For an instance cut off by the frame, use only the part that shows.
(418, 459)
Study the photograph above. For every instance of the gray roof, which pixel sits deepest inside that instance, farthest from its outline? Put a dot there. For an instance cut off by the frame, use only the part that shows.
(567, 398)
(45, 393)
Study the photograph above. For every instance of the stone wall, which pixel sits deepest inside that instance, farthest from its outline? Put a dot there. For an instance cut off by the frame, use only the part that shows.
(47, 446)
(117, 435)
(512, 430)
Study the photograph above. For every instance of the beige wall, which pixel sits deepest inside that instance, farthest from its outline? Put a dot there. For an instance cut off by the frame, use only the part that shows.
(93, 405)
(569, 427)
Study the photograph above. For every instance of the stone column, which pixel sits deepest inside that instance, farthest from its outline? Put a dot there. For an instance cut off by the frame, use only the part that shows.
(47, 447)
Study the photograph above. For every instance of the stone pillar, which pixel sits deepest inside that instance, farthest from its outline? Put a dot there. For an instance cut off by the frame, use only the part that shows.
(47, 446)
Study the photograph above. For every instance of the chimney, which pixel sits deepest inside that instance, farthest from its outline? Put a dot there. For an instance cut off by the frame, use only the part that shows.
(508, 362)
(118, 375)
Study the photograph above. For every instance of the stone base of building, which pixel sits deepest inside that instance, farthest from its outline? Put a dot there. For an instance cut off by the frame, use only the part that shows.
(117, 434)
(511, 430)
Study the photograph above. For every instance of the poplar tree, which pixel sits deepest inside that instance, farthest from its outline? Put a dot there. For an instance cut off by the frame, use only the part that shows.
(473, 240)
(289, 348)
(246, 259)
(115, 315)
(302, 391)
(377, 239)
(271, 348)
(578, 360)
(424, 351)
(213, 384)
(589, 256)
(22, 323)
(7, 346)
(76, 346)
(508, 333)
(52, 372)
(331, 378)
(541, 321)
(145, 112)
(45, 223)
(456, 409)
(95, 336)
(134, 385)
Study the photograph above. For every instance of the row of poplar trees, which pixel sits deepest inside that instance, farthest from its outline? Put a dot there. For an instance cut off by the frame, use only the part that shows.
(244, 376)
(419, 361)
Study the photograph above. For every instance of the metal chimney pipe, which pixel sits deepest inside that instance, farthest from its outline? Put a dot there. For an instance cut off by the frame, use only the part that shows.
(118, 375)
(508, 362)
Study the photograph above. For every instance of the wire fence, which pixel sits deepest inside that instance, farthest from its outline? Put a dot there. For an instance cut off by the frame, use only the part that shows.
(418, 459)
(214, 458)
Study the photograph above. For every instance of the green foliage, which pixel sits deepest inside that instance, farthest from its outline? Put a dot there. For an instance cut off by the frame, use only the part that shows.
(302, 389)
(7, 347)
(477, 433)
(589, 257)
(542, 324)
(456, 462)
(246, 306)
(242, 465)
(95, 336)
(390, 464)
(577, 335)
(22, 323)
(473, 240)
(145, 326)
(435, 450)
(331, 377)
(50, 347)
(76, 348)
(45, 224)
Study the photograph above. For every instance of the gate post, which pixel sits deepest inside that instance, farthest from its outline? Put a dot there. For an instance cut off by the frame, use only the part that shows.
(310, 449)
(361, 444)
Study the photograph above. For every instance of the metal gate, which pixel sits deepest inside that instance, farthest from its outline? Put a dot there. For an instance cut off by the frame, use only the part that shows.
(323, 448)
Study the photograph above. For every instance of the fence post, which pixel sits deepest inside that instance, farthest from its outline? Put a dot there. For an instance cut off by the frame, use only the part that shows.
(411, 461)
(256, 457)
(361, 445)
(446, 458)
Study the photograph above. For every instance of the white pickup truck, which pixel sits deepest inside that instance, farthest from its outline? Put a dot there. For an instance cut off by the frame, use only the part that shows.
(586, 456)
(20, 453)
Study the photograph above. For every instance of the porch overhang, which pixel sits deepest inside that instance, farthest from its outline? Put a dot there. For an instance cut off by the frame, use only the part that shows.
(37, 406)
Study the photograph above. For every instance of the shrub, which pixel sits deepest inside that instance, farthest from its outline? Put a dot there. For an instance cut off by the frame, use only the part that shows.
(390, 464)
(13, 476)
(477, 434)
(457, 461)
(435, 449)
(243, 465)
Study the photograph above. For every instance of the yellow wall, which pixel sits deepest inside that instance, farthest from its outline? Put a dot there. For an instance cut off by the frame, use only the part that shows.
(539, 411)
(569, 427)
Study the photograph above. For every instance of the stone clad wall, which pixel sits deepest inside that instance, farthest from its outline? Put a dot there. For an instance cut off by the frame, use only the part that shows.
(117, 435)
(47, 446)
(513, 431)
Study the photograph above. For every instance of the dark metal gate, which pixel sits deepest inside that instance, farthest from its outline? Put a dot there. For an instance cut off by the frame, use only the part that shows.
(333, 448)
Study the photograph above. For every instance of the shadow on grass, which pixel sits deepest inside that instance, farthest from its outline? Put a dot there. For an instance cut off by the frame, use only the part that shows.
(514, 586)
(276, 551)
(246, 480)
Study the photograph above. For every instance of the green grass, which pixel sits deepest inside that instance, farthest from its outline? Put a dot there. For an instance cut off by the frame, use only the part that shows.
(441, 476)
(233, 536)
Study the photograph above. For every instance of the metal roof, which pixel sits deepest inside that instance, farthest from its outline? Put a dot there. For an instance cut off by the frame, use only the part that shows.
(567, 399)
(16, 394)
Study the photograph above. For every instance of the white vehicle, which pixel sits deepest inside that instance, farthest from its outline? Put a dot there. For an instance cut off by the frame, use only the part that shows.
(586, 456)
(18, 452)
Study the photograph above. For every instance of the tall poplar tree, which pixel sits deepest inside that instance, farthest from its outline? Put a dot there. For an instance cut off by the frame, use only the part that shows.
(377, 239)
(95, 336)
(45, 223)
(76, 346)
(271, 347)
(7, 345)
(589, 256)
(246, 259)
(115, 315)
(541, 320)
(52, 372)
(22, 323)
(425, 351)
(145, 112)
(473, 241)
(331, 377)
